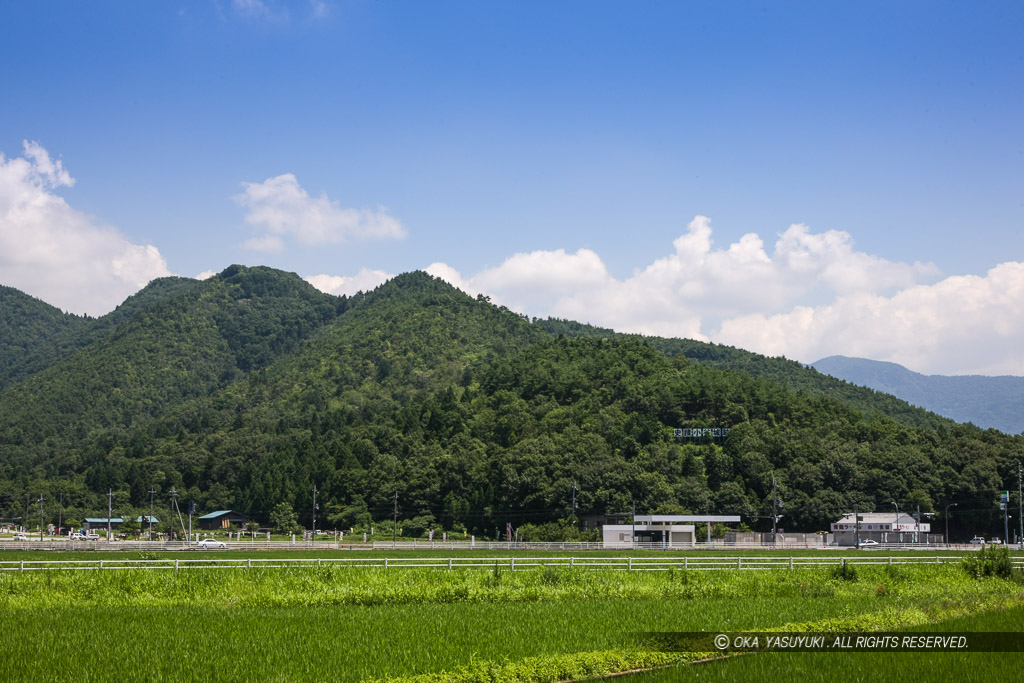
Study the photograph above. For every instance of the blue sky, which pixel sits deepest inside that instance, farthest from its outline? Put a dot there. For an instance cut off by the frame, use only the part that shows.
(635, 165)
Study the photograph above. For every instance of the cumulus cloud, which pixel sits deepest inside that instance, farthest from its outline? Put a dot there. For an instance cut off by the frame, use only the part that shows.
(694, 287)
(965, 324)
(57, 253)
(279, 208)
(363, 281)
(810, 295)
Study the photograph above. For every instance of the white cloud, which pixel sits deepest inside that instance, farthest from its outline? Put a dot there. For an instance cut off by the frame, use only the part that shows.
(279, 207)
(206, 275)
(811, 296)
(363, 281)
(961, 325)
(57, 253)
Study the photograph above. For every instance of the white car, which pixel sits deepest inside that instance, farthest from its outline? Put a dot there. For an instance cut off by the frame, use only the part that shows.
(20, 537)
(77, 536)
(869, 543)
(212, 544)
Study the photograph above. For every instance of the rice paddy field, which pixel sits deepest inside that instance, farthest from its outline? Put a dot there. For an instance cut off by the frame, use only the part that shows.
(423, 625)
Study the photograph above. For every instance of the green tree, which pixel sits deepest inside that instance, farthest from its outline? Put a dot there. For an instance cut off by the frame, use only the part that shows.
(284, 520)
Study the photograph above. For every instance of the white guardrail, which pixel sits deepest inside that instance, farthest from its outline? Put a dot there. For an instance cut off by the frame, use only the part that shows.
(512, 563)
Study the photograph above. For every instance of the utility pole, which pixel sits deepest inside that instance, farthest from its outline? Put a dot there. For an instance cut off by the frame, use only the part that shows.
(394, 531)
(175, 508)
(314, 513)
(574, 490)
(775, 511)
(151, 492)
(40, 501)
(917, 528)
(110, 510)
(632, 533)
(856, 526)
(897, 523)
(60, 515)
(951, 505)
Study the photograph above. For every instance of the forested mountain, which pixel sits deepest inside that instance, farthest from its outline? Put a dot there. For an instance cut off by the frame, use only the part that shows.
(247, 390)
(35, 335)
(791, 373)
(996, 402)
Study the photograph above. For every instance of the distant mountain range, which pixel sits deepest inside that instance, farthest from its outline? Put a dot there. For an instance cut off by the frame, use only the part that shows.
(989, 402)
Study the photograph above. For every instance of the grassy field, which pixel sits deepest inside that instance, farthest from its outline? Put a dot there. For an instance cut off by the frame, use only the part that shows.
(350, 624)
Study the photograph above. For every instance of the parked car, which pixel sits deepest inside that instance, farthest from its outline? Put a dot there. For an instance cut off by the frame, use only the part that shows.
(77, 536)
(19, 537)
(212, 544)
(869, 543)
(995, 541)
(978, 540)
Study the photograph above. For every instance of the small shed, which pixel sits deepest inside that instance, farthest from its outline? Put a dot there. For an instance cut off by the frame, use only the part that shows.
(222, 519)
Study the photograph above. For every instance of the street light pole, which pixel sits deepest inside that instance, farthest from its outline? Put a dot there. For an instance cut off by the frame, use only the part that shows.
(40, 518)
(951, 505)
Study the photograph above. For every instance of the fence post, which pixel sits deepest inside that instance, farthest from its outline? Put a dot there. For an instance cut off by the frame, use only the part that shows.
(449, 563)
(791, 564)
(739, 563)
(385, 563)
(175, 565)
(686, 563)
(631, 564)
(572, 561)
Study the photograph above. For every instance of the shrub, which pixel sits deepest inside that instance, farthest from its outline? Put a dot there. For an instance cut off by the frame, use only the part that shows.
(989, 561)
(844, 572)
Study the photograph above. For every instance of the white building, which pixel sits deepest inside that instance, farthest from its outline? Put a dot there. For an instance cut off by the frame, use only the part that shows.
(667, 531)
(884, 527)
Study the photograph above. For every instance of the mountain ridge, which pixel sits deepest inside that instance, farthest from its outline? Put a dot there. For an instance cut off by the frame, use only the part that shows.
(987, 401)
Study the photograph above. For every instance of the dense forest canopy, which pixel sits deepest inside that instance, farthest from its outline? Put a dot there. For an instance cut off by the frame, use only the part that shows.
(247, 390)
